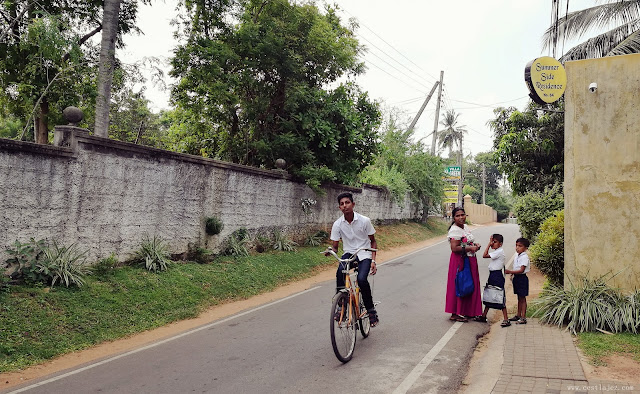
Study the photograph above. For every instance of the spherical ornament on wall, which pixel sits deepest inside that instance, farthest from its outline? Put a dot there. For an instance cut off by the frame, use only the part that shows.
(281, 164)
(73, 115)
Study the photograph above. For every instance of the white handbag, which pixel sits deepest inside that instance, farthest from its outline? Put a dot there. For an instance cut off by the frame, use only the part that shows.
(493, 294)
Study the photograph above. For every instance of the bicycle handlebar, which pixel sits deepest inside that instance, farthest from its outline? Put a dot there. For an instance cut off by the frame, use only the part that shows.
(350, 259)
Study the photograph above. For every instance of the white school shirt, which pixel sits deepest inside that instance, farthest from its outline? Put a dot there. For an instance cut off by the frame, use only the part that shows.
(354, 235)
(522, 260)
(458, 233)
(497, 260)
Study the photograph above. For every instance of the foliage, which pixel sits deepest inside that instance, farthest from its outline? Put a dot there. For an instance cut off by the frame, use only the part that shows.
(261, 243)
(316, 238)
(388, 177)
(452, 134)
(403, 161)
(529, 146)
(548, 252)
(622, 39)
(153, 254)
(24, 258)
(494, 197)
(44, 47)
(213, 225)
(106, 266)
(534, 208)
(589, 306)
(282, 242)
(236, 244)
(252, 78)
(65, 264)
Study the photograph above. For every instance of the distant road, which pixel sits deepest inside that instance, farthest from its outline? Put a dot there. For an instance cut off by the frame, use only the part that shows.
(284, 346)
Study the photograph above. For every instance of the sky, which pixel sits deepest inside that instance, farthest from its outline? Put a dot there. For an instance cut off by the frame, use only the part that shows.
(482, 47)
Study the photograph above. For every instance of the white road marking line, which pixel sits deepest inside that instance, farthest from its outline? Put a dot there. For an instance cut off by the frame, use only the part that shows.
(424, 363)
(159, 343)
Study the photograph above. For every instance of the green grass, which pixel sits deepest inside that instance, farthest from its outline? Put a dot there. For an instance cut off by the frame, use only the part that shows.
(598, 346)
(38, 324)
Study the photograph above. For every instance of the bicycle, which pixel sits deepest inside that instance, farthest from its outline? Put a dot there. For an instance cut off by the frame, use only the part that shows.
(344, 319)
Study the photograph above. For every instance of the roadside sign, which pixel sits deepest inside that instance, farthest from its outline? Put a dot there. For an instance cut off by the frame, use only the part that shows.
(450, 194)
(453, 172)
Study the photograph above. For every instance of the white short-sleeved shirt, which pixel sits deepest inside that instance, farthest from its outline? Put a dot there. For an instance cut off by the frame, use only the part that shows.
(354, 235)
(497, 259)
(458, 233)
(522, 259)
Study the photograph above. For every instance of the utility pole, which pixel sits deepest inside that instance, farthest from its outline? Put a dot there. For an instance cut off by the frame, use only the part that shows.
(460, 201)
(435, 122)
(413, 122)
(484, 180)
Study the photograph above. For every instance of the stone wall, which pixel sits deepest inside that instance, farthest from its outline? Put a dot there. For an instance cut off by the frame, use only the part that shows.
(479, 213)
(105, 195)
(602, 170)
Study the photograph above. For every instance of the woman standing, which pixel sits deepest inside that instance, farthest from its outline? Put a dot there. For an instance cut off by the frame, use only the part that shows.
(461, 242)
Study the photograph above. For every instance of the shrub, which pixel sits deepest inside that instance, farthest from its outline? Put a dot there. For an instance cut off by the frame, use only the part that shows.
(198, 254)
(589, 306)
(23, 260)
(236, 244)
(316, 238)
(281, 242)
(63, 263)
(548, 252)
(105, 266)
(153, 254)
(213, 225)
(533, 208)
(261, 243)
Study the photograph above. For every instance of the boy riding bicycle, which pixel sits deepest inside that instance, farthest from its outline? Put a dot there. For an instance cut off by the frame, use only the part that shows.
(356, 231)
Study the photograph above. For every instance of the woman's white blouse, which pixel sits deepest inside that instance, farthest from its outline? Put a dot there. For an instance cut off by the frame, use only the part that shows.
(458, 233)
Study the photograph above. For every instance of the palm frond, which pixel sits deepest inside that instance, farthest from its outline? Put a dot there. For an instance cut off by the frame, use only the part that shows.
(619, 41)
(576, 24)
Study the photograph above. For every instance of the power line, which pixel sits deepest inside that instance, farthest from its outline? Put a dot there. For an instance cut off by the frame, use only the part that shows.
(400, 71)
(393, 76)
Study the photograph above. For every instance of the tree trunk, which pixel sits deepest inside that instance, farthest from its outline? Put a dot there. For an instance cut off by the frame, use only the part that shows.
(107, 61)
(42, 131)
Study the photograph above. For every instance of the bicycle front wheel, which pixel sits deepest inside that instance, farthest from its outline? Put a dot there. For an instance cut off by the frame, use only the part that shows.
(363, 321)
(343, 327)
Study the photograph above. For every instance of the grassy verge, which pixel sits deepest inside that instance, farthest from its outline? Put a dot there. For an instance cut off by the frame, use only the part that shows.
(38, 324)
(598, 346)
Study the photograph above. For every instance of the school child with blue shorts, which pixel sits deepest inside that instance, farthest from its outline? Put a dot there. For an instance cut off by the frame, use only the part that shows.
(521, 266)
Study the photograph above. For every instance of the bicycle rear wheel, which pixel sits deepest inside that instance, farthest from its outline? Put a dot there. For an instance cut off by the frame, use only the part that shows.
(363, 321)
(343, 327)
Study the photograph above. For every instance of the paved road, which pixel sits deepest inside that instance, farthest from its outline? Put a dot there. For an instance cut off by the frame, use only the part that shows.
(284, 347)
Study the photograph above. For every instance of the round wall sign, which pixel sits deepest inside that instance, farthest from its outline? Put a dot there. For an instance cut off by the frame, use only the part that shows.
(546, 79)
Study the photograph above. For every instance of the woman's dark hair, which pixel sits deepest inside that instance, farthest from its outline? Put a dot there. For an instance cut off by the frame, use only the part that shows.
(453, 214)
(343, 195)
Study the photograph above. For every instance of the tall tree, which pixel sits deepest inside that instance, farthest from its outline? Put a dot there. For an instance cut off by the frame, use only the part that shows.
(110, 19)
(256, 74)
(622, 17)
(529, 146)
(47, 59)
(452, 133)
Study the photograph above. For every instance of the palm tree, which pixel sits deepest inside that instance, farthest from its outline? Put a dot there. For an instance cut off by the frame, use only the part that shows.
(622, 39)
(452, 133)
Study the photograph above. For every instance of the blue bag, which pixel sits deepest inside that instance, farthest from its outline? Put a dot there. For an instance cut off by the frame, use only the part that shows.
(464, 280)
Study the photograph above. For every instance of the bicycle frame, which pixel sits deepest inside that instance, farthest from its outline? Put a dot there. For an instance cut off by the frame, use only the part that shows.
(349, 287)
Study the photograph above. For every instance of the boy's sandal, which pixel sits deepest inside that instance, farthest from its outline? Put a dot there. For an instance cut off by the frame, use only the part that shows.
(515, 318)
(481, 319)
(505, 323)
(522, 321)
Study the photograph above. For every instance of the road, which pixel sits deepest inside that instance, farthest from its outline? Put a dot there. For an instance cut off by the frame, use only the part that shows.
(284, 346)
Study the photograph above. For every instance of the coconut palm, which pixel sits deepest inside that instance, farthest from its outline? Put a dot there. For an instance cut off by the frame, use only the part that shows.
(622, 16)
(452, 133)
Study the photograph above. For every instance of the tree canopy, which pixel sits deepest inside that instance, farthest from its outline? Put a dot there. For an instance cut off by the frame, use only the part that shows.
(529, 146)
(253, 81)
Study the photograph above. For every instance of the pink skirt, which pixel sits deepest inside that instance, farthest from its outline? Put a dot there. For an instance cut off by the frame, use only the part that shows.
(470, 305)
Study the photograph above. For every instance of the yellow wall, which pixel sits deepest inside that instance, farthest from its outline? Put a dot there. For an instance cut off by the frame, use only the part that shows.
(602, 170)
(479, 213)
